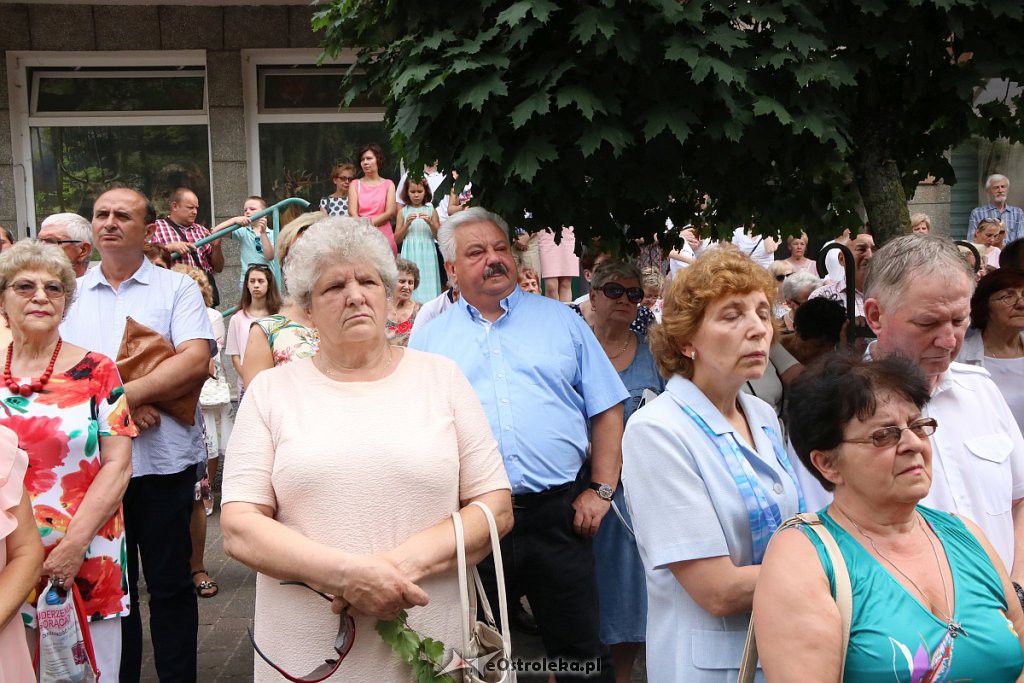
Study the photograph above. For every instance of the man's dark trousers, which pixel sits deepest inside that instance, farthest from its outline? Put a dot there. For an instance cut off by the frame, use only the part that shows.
(553, 566)
(157, 510)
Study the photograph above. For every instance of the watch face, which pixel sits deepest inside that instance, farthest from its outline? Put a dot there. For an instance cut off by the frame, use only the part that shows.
(605, 492)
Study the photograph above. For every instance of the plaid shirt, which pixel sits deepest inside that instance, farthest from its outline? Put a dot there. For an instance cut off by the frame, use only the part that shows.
(1012, 217)
(165, 234)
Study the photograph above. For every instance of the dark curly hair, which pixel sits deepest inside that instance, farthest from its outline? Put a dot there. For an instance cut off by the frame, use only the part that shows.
(839, 387)
(994, 282)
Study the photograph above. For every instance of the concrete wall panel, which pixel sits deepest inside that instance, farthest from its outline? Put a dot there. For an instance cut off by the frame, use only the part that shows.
(300, 29)
(14, 27)
(224, 78)
(191, 28)
(121, 27)
(227, 134)
(61, 27)
(254, 27)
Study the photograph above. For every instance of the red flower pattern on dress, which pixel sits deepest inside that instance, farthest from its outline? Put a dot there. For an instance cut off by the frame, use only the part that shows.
(73, 486)
(99, 581)
(91, 377)
(48, 517)
(46, 445)
(114, 526)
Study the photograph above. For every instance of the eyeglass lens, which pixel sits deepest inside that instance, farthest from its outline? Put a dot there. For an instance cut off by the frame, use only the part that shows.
(27, 289)
(889, 436)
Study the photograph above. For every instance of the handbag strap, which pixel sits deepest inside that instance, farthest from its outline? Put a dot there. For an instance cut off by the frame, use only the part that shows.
(844, 595)
(499, 574)
(468, 615)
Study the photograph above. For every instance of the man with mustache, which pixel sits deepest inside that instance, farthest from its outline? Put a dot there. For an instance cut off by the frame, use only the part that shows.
(541, 376)
(998, 188)
(917, 300)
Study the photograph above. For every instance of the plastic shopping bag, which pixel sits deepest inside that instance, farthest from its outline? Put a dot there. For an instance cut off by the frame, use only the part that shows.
(65, 653)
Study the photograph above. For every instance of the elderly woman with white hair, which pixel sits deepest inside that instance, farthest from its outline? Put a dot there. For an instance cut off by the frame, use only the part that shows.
(321, 489)
(796, 289)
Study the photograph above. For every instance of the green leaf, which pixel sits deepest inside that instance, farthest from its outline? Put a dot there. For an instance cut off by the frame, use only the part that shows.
(434, 650)
(514, 14)
(675, 119)
(475, 96)
(597, 134)
(529, 156)
(727, 37)
(537, 103)
(583, 99)
(474, 153)
(413, 74)
(408, 116)
(681, 48)
(460, 65)
(766, 105)
(592, 21)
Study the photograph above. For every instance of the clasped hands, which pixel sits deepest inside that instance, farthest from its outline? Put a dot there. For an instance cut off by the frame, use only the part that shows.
(374, 586)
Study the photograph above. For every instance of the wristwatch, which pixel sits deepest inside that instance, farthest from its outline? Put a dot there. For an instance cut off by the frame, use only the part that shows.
(603, 490)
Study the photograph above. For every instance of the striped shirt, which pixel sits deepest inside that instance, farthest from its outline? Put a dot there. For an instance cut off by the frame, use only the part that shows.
(1011, 216)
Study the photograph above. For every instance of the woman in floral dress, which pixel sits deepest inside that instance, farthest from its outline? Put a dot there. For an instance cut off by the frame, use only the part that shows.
(68, 409)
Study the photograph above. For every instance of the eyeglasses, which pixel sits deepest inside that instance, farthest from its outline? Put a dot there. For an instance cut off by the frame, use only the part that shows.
(890, 436)
(54, 240)
(342, 645)
(782, 278)
(28, 289)
(345, 178)
(613, 290)
(1010, 299)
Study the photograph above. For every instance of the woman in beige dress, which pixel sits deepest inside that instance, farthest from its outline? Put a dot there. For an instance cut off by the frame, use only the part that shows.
(321, 488)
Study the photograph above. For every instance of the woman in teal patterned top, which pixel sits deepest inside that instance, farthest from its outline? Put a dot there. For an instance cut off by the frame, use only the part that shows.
(932, 602)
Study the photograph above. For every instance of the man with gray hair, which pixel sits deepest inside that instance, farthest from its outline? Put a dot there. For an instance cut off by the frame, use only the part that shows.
(918, 301)
(548, 389)
(73, 234)
(998, 187)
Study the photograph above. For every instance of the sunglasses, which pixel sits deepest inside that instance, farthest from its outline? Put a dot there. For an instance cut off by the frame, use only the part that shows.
(890, 436)
(782, 278)
(342, 645)
(613, 290)
(28, 289)
(346, 178)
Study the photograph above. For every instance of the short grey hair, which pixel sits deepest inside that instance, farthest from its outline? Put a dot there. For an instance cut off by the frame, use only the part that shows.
(474, 214)
(911, 257)
(994, 178)
(798, 282)
(35, 255)
(338, 239)
(612, 270)
(76, 227)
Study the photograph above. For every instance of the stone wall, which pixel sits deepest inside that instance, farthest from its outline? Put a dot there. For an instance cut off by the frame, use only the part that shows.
(222, 31)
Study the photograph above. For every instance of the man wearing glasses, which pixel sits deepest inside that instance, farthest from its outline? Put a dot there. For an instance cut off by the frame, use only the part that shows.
(73, 234)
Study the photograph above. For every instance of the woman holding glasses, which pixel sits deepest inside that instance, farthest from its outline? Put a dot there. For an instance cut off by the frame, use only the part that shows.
(931, 599)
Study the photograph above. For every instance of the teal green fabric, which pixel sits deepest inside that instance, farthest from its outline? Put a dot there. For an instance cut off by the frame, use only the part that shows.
(893, 637)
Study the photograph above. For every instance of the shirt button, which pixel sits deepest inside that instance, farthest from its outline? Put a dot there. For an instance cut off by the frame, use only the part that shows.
(778, 489)
(499, 375)
(507, 428)
(494, 351)
(505, 401)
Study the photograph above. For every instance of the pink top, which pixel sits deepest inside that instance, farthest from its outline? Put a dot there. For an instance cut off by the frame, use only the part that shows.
(15, 663)
(373, 201)
(808, 266)
(339, 470)
(238, 338)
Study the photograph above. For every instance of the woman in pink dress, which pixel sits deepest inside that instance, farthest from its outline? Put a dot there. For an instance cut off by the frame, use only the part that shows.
(373, 197)
(21, 558)
(558, 263)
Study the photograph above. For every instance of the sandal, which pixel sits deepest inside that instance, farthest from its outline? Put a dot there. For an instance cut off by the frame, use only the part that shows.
(205, 589)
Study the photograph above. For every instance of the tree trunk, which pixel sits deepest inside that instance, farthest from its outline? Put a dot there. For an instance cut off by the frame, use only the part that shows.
(881, 190)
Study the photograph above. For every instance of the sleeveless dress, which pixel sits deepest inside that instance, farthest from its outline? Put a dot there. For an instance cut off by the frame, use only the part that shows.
(372, 202)
(621, 582)
(558, 260)
(418, 247)
(893, 637)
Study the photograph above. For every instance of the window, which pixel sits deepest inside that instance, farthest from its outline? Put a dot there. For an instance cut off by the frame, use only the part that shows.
(298, 128)
(132, 118)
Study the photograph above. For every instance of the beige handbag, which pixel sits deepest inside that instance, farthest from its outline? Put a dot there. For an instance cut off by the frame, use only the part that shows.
(486, 650)
(844, 595)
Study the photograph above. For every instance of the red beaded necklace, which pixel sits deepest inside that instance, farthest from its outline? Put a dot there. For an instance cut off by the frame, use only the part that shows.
(38, 384)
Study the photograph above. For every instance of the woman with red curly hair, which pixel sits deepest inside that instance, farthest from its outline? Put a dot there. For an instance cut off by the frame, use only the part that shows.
(67, 407)
(705, 473)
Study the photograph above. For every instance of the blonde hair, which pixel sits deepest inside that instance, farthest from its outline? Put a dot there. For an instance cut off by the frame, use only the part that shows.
(715, 274)
(290, 232)
(200, 278)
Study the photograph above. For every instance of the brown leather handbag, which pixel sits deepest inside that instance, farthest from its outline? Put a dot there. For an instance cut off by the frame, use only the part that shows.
(142, 349)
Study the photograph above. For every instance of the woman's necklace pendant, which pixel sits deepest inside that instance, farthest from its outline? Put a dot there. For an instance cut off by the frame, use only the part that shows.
(955, 629)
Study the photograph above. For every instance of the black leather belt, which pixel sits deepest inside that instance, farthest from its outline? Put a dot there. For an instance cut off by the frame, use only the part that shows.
(532, 500)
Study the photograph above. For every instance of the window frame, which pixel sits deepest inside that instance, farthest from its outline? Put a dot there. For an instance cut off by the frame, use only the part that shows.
(19, 66)
(304, 60)
(39, 74)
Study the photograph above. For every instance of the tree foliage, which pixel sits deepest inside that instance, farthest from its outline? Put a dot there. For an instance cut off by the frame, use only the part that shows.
(612, 114)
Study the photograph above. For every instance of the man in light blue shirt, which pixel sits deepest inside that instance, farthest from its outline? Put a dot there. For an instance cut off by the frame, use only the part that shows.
(158, 502)
(542, 378)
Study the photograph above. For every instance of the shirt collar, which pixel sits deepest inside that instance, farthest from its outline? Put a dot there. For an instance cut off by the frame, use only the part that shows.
(507, 304)
(688, 394)
(95, 277)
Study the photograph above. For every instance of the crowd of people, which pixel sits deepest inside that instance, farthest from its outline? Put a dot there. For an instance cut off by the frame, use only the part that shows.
(639, 448)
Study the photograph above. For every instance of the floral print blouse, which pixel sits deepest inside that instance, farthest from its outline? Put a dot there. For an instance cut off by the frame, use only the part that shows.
(288, 339)
(60, 429)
